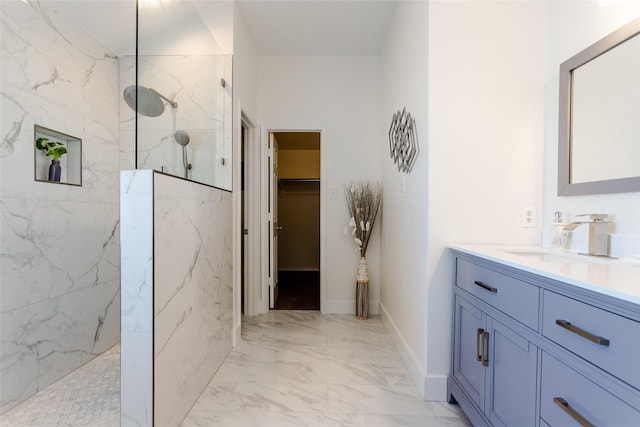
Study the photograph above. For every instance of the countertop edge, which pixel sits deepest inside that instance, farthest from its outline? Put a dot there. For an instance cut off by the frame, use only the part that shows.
(500, 255)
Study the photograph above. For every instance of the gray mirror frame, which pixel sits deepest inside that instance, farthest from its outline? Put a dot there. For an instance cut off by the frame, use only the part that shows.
(565, 187)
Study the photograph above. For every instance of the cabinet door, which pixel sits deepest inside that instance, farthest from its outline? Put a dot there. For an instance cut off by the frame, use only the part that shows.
(468, 370)
(512, 384)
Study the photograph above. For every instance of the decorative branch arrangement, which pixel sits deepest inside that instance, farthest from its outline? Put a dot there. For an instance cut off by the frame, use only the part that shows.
(363, 202)
(403, 140)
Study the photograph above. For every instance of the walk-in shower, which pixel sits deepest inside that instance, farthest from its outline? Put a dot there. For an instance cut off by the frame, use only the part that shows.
(149, 102)
(192, 141)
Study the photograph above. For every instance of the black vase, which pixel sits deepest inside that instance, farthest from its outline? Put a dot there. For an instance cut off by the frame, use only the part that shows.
(55, 171)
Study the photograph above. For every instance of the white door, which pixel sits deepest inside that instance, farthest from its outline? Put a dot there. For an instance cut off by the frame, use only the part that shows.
(273, 220)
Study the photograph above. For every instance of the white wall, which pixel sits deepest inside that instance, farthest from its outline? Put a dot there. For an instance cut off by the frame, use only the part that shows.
(60, 286)
(573, 26)
(403, 295)
(481, 155)
(341, 96)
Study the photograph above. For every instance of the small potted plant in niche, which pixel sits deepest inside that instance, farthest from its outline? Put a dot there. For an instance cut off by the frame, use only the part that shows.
(55, 150)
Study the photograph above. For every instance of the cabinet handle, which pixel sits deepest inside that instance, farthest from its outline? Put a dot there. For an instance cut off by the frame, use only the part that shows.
(584, 334)
(485, 286)
(485, 349)
(479, 335)
(564, 405)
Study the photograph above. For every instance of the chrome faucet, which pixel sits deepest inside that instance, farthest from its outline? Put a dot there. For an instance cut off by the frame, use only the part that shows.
(598, 233)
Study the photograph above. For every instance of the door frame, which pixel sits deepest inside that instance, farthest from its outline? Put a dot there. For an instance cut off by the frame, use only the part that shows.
(253, 285)
(272, 219)
(265, 131)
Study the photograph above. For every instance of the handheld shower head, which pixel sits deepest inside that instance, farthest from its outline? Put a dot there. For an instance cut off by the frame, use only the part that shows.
(182, 137)
(149, 102)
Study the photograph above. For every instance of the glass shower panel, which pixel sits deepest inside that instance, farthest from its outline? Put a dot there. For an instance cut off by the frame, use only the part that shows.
(180, 67)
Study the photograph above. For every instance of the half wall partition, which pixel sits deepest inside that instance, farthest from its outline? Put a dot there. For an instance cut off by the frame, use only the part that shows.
(176, 214)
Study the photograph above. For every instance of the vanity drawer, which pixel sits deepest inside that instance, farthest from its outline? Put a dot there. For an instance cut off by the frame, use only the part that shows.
(607, 340)
(566, 395)
(514, 297)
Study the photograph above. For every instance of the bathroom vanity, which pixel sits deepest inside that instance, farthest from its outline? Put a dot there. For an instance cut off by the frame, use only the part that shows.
(545, 338)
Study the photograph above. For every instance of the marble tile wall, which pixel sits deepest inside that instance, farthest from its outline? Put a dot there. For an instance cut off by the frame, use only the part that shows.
(59, 251)
(186, 278)
(204, 111)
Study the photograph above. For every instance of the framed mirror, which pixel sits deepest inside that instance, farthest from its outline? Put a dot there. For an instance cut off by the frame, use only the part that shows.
(599, 117)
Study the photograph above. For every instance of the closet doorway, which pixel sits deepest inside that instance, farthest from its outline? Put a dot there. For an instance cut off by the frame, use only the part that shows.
(295, 205)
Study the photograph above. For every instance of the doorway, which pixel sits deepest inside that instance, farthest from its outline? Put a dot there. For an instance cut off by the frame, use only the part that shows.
(295, 211)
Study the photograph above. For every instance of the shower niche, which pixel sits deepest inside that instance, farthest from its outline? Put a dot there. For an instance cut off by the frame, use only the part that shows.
(57, 157)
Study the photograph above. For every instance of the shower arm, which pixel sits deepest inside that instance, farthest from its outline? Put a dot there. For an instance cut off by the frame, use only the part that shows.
(171, 102)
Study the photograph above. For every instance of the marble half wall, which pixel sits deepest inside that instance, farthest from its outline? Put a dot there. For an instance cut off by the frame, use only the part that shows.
(177, 293)
(59, 246)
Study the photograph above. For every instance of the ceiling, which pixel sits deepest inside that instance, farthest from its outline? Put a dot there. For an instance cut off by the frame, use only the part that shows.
(111, 22)
(318, 27)
(289, 27)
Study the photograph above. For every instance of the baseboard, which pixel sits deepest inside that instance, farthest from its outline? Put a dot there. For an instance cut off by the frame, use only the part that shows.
(415, 368)
(347, 307)
(435, 388)
(236, 335)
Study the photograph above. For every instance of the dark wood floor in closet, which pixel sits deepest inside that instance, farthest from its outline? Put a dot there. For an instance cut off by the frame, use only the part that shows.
(298, 290)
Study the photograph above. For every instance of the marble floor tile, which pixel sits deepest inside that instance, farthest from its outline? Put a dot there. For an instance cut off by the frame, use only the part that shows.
(413, 421)
(373, 399)
(317, 353)
(284, 419)
(292, 368)
(199, 417)
(264, 397)
(255, 351)
(328, 370)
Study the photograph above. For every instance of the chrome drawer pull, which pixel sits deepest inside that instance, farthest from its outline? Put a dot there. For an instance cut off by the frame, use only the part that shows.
(485, 286)
(479, 336)
(584, 334)
(564, 405)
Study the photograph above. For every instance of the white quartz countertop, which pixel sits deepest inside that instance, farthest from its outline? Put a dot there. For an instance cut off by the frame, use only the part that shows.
(616, 278)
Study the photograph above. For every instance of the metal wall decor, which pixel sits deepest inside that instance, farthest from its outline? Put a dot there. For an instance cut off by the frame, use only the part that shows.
(403, 140)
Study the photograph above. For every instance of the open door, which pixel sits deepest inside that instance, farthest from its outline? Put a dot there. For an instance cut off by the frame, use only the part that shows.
(274, 228)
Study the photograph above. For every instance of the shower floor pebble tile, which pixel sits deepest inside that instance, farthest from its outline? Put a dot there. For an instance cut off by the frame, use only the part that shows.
(293, 368)
(89, 396)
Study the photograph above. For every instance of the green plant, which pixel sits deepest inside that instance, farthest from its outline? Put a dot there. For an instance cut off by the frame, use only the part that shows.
(54, 149)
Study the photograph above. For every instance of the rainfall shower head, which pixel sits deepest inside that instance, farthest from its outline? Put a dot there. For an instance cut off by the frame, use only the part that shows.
(182, 137)
(149, 102)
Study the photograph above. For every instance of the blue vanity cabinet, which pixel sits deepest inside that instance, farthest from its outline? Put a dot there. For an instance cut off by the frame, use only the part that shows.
(494, 367)
(571, 399)
(530, 349)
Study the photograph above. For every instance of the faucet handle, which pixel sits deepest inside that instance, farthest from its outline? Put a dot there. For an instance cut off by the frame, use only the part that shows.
(596, 217)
